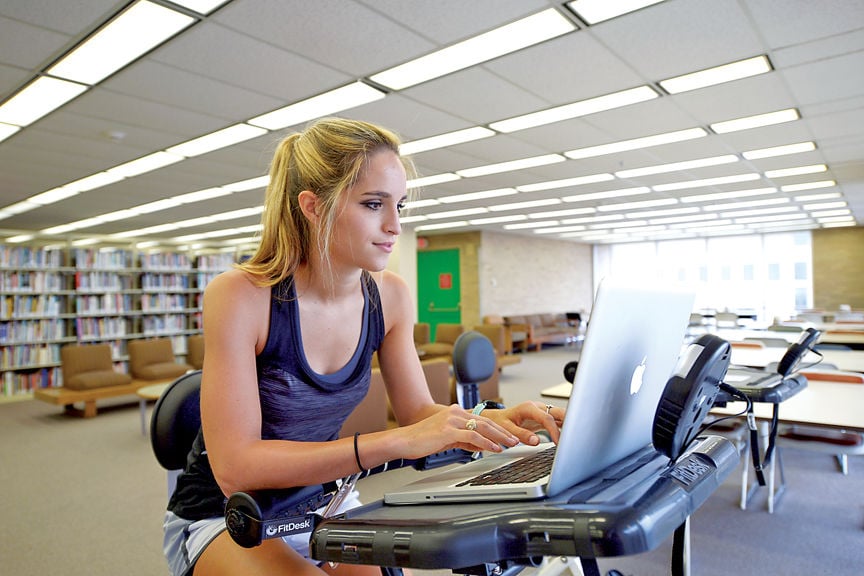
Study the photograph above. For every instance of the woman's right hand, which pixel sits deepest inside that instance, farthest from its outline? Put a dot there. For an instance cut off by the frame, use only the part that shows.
(454, 427)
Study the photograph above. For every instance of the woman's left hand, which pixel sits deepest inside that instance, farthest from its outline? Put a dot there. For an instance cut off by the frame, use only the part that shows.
(524, 419)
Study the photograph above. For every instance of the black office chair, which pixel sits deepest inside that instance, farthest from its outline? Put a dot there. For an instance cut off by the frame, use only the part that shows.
(175, 422)
(474, 360)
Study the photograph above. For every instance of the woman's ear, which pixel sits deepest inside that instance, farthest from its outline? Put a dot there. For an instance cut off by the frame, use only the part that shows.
(308, 203)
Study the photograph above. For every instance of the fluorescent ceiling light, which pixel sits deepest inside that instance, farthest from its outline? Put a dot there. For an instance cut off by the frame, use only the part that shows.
(7, 130)
(594, 11)
(610, 225)
(201, 195)
(457, 213)
(234, 214)
(757, 121)
(637, 205)
(95, 181)
(797, 171)
(20, 238)
(498, 219)
(712, 223)
(591, 219)
(37, 99)
(511, 165)
(442, 225)
(561, 213)
(145, 164)
(157, 206)
(128, 36)
(565, 183)
(779, 150)
(717, 75)
(705, 182)
(576, 109)
(808, 186)
(677, 166)
(747, 204)
(838, 224)
(680, 219)
(620, 193)
(727, 195)
(331, 102)
(478, 195)
(815, 197)
(559, 229)
(636, 143)
(444, 140)
(524, 205)
(531, 225)
(200, 6)
(824, 206)
(216, 140)
(422, 203)
(760, 212)
(832, 215)
(777, 218)
(433, 180)
(52, 196)
(410, 219)
(666, 212)
(250, 184)
(503, 40)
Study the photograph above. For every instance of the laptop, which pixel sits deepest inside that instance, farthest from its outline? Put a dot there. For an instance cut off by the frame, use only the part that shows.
(632, 343)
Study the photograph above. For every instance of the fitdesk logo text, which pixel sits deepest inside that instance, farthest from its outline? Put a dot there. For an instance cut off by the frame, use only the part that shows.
(289, 527)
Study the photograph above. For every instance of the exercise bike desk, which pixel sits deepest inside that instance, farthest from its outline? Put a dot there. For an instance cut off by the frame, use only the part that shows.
(597, 518)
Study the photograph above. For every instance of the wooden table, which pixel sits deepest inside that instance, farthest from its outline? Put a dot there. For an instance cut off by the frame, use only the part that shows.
(146, 394)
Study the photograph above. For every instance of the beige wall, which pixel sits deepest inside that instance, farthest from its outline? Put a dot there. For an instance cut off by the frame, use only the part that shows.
(510, 274)
(838, 267)
(525, 275)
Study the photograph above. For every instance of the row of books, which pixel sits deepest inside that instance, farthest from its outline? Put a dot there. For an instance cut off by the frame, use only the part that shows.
(29, 355)
(31, 281)
(32, 330)
(102, 258)
(103, 303)
(23, 306)
(89, 328)
(163, 301)
(18, 383)
(155, 325)
(165, 261)
(30, 257)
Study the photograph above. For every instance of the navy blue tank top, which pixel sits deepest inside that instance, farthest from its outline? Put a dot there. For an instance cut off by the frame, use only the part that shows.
(296, 402)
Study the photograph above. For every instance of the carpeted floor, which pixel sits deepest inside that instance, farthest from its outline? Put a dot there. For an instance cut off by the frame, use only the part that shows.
(85, 497)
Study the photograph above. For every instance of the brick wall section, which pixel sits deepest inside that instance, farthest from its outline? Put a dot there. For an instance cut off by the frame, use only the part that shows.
(838, 267)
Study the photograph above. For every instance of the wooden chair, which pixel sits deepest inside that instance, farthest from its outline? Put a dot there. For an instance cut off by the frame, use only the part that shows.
(154, 360)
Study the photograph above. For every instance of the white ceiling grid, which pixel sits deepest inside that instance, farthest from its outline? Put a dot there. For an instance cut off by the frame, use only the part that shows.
(250, 57)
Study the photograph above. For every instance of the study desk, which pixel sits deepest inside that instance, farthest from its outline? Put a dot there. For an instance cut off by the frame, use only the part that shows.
(598, 518)
(847, 360)
(835, 404)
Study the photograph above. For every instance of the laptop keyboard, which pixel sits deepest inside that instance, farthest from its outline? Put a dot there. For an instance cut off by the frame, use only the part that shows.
(527, 469)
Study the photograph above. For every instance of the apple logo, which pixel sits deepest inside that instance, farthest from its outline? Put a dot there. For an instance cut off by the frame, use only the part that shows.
(636, 379)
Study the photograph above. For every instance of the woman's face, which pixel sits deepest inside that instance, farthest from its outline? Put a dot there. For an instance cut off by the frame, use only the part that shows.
(367, 222)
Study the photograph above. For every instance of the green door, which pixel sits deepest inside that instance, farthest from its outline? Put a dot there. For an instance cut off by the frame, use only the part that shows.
(438, 288)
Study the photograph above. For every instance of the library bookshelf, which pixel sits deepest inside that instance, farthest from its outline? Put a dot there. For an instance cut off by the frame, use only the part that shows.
(51, 296)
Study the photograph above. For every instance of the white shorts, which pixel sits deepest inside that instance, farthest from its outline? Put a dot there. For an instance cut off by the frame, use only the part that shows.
(185, 540)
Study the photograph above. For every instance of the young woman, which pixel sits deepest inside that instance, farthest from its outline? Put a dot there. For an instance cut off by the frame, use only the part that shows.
(289, 336)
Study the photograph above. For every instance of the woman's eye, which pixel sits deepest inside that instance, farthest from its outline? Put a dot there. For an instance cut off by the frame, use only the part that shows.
(373, 205)
(400, 207)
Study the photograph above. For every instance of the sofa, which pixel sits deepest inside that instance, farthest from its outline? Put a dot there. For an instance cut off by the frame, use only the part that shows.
(532, 331)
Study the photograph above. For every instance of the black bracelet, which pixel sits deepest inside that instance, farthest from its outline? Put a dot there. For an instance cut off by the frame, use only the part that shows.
(357, 453)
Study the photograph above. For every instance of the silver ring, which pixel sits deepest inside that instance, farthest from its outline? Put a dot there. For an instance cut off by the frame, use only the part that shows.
(471, 424)
(548, 408)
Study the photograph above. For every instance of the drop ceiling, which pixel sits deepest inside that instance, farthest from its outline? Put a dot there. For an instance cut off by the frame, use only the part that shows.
(250, 57)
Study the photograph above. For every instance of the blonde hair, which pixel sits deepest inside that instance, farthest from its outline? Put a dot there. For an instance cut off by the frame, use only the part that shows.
(326, 158)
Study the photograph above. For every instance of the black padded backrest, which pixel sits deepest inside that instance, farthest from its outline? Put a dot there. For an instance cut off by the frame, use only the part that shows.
(175, 421)
(474, 358)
